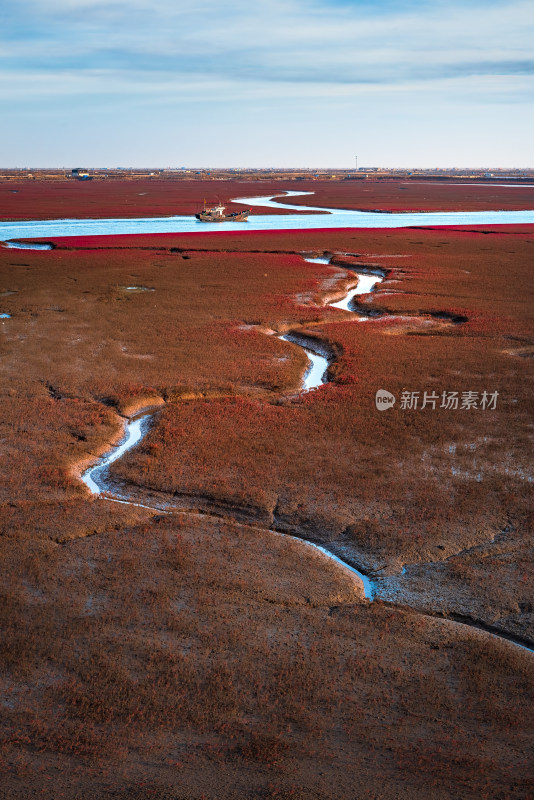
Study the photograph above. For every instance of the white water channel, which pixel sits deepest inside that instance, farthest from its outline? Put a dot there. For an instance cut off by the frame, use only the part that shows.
(316, 374)
(330, 218)
(134, 430)
(28, 246)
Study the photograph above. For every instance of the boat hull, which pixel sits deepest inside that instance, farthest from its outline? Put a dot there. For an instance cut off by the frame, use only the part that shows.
(237, 216)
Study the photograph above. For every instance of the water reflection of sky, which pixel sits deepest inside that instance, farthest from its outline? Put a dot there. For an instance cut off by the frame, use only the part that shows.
(335, 218)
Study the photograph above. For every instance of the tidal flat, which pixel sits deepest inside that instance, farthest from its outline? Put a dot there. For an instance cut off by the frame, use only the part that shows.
(189, 650)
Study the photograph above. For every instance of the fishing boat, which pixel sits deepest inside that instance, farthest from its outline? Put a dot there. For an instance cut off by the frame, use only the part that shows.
(216, 214)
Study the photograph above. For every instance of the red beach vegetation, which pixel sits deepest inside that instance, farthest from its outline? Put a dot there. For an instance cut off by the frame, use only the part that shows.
(200, 654)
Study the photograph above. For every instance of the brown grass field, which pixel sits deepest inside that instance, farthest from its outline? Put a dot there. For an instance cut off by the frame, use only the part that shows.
(150, 197)
(199, 655)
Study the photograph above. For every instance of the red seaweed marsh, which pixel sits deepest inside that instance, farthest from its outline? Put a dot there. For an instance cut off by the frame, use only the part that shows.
(186, 643)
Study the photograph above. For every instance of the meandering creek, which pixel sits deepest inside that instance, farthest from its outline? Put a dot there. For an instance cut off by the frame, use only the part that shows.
(95, 478)
(316, 374)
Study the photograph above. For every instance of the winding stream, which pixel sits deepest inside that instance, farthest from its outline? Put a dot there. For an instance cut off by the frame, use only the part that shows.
(134, 430)
(316, 375)
(136, 427)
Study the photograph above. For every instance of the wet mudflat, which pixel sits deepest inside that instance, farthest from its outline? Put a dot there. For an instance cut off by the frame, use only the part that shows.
(220, 657)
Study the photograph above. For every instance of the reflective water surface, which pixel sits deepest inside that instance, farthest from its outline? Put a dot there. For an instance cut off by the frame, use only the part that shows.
(332, 218)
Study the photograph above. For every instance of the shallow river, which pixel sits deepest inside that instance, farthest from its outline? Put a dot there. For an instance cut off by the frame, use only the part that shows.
(330, 218)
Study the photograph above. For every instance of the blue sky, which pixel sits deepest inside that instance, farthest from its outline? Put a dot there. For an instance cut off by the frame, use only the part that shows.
(296, 83)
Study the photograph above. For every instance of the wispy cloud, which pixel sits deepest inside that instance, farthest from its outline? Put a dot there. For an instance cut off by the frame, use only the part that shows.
(295, 41)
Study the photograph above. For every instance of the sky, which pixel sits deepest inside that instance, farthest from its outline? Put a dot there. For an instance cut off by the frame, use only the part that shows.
(281, 83)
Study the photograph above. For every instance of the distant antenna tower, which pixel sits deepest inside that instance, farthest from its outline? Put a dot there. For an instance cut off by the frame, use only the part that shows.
(356, 159)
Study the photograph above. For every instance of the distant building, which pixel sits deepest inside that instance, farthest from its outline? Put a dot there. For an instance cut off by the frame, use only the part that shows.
(80, 174)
